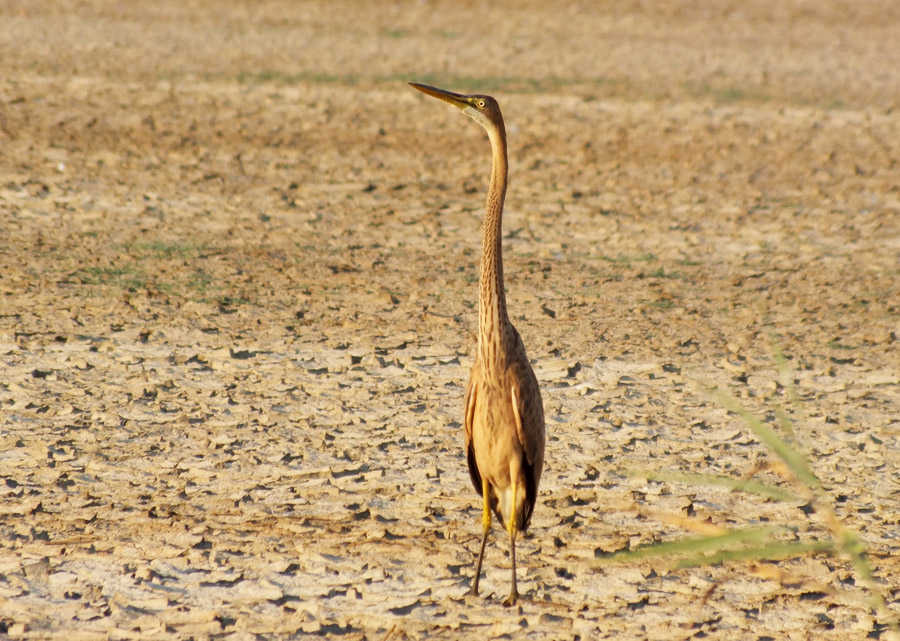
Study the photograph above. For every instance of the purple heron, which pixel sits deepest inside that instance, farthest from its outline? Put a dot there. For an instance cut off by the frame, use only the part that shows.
(504, 415)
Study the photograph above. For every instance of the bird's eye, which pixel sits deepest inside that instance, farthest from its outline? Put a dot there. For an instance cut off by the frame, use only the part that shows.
(481, 104)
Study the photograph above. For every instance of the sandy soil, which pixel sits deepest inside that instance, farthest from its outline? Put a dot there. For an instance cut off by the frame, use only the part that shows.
(238, 278)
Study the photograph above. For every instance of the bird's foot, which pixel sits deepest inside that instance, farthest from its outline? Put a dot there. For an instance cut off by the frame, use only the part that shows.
(474, 590)
(512, 598)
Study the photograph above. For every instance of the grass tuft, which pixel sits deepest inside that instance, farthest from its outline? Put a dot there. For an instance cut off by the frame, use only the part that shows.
(774, 542)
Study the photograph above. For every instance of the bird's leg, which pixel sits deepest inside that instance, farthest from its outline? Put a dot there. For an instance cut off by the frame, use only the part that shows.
(511, 526)
(486, 526)
(474, 590)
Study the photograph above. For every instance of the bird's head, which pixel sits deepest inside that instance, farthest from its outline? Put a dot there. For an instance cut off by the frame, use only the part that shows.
(482, 109)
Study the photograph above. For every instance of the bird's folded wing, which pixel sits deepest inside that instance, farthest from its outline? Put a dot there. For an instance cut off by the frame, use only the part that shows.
(529, 413)
(468, 423)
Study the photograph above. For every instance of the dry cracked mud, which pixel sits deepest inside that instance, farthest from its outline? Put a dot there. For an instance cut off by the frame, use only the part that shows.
(238, 280)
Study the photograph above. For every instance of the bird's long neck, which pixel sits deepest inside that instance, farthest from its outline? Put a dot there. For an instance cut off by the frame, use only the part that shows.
(493, 321)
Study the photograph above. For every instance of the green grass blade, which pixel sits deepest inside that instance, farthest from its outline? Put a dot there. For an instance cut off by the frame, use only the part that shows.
(784, 421)
(769, 552)
(792, 458)
(784, 370)
(695, 545)
(787, 382)
(750, 486)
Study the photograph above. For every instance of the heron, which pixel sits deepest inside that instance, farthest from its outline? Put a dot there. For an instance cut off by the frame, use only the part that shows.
(504, 414)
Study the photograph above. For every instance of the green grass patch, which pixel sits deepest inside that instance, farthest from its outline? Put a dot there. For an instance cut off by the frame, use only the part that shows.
(202, 284)
(165, 249)
(727, 95)
(148, 265)
(662, 273)
(622, 259)
(508, 84)
(589, 87)
(276, 76)
(123, 277)
(462, 83)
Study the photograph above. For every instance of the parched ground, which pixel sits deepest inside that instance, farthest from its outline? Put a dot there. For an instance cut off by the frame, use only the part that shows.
(238, 276)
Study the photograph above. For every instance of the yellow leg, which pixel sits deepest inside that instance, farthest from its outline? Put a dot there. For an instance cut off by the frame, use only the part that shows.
(486, 528)
(511, 526)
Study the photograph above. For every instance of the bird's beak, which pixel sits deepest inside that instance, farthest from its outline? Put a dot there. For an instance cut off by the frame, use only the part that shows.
(457, 100)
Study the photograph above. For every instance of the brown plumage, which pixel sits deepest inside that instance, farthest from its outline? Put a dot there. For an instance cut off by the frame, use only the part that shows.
(504, 416)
